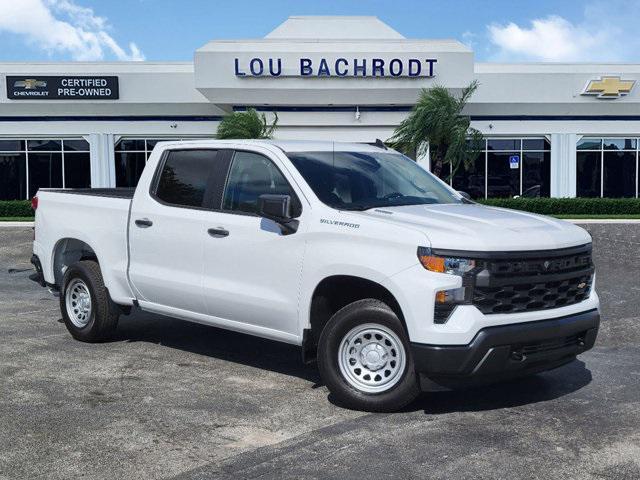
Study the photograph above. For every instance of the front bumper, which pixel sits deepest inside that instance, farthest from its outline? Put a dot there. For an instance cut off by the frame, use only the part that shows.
(506, 351)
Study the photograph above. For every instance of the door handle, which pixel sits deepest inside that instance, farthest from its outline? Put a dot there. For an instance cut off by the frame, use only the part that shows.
(218, 232)
(144, 222)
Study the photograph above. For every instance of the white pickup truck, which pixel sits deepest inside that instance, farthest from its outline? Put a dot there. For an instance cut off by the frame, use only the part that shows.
(387, 277)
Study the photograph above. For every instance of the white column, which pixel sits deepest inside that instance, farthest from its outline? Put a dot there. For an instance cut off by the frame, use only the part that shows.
(103, 166)
(563, 164)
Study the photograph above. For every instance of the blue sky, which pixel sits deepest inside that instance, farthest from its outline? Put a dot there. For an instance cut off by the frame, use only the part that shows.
(160, 30)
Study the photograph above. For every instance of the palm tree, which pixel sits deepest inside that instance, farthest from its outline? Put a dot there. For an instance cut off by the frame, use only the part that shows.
(436, 122)
(249, 124)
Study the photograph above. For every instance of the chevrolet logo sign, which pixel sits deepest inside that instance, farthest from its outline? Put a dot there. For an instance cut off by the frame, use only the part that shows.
(609, 87)
(30, 84)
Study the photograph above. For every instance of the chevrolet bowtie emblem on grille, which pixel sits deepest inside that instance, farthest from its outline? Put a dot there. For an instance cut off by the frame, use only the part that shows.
(581, 285)
(30, 84)
(609, 87)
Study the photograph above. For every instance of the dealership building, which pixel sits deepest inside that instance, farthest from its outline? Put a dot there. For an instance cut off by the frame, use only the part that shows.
(560, 130)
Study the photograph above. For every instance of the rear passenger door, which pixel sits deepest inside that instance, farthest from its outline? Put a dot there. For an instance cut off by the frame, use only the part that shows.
(251, 269)
(167, 229)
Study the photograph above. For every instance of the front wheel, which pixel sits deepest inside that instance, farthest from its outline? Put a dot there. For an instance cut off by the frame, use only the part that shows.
(364, 358)
(87, 310)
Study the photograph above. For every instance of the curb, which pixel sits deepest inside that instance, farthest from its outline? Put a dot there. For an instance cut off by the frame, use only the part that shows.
(16, 224)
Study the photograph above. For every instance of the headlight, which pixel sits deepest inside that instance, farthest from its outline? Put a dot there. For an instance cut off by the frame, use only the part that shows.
(450, 265)
(447, 300)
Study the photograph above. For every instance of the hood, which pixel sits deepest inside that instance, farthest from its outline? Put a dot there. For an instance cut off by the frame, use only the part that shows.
(478, 228)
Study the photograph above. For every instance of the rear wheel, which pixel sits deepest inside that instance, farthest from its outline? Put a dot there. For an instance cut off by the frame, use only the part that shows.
(87, 310)
(365, 360)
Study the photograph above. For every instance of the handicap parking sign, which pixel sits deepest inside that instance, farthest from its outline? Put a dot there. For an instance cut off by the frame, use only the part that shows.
(514, 161)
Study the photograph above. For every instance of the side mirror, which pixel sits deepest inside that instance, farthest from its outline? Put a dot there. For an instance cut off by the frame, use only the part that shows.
(278, 209)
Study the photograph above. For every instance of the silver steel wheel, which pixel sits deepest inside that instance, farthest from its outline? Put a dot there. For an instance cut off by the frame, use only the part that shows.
(371, 358)
(78, 303)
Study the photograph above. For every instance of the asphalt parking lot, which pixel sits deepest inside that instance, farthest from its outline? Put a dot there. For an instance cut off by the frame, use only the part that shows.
(170, 399)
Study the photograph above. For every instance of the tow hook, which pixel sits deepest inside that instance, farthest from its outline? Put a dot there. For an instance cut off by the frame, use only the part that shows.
(518, 356)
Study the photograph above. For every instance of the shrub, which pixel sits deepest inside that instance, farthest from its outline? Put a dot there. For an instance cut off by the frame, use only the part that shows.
(15, 208)
(569, 206)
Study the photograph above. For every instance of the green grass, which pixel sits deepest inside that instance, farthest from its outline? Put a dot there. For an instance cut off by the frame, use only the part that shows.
(599, 217)
(16, 219)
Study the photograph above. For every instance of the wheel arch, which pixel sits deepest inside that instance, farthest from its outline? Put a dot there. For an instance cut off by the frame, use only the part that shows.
(335, 292)
(66, 252)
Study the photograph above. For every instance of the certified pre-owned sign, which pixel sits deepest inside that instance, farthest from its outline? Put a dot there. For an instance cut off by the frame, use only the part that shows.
(62, 88)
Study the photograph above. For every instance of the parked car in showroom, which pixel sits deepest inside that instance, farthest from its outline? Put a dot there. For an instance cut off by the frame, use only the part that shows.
(382, 273)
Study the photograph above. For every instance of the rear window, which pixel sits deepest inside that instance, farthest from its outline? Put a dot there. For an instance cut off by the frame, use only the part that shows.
(184, 176)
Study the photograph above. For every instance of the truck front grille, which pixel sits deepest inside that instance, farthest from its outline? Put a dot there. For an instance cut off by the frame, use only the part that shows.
(531, 296)
(546, 265)
(530, 281)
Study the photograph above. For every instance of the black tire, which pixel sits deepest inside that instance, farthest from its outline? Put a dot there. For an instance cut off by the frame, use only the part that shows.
(103, 319)
(359, 313)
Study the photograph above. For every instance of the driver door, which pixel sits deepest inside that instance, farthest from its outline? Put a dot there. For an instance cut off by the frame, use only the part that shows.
(252, 273)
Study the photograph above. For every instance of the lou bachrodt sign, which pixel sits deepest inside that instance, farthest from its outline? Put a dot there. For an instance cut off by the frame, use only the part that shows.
(62, 88)
(338, 67)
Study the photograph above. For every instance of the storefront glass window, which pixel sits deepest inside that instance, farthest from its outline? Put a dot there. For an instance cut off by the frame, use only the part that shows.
(619, 144)
(13, 176)
(502, 179)
(607, 167)
(11, 145)
(128, 145)
(77, 170)
(29, 164)
(45, 171)
(129, 167)
(590, 144)
(588, 174)
(76, 146)
(619, 174)
(502, 144)
(540, 144)
(536, 174)
(508, 167)
(46, 145)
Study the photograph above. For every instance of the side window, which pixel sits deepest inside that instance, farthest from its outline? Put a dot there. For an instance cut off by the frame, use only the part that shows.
(252, 175)
(184, 176)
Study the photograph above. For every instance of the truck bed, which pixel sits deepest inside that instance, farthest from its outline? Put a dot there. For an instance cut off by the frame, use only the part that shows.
(98, 217)
(96, 192)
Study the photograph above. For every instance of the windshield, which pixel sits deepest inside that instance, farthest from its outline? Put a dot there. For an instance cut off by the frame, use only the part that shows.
(363, 180)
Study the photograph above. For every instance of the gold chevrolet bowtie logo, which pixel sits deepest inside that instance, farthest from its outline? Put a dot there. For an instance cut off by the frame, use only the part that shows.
(609, 87)
(30, 84)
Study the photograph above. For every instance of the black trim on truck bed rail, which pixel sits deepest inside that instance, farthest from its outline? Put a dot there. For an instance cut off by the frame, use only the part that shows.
(95, 192)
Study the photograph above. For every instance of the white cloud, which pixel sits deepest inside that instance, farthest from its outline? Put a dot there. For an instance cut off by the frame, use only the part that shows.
(62, 26)
(551, 39)
(605, 33)
(470, 39)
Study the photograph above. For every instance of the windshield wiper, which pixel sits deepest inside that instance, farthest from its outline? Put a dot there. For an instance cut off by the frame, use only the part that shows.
(356, 208)
(369, 206)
